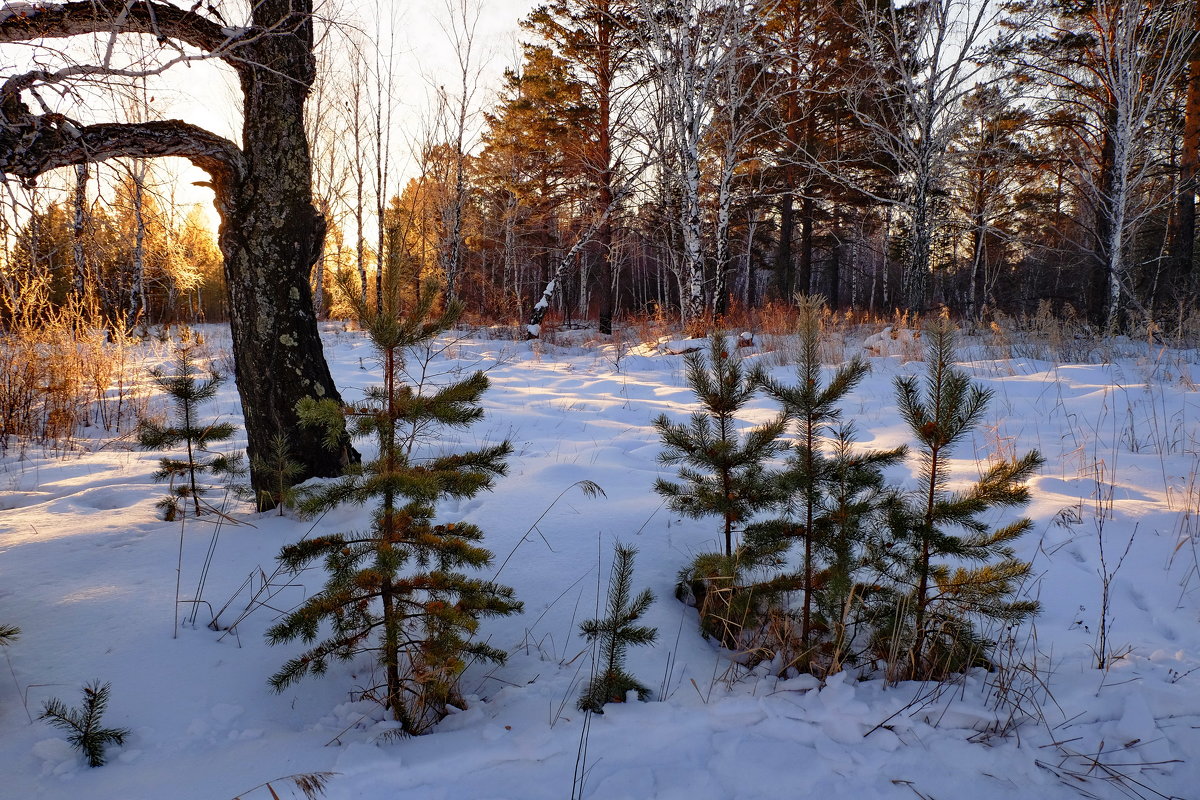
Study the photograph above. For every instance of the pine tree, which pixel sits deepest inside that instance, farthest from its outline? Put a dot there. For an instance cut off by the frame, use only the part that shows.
(857, 497)
(615, 633)
(83, 723)
(723, 474)
(9, 634)
(187, 393)
(397, 590)
(822, 492)
(597, 42)
(926, 612)
(279, 471)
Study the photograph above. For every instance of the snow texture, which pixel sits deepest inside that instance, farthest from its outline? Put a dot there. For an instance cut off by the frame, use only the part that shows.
(88, 571)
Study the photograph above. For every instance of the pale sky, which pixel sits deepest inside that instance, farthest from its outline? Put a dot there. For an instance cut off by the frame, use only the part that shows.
(423, 56)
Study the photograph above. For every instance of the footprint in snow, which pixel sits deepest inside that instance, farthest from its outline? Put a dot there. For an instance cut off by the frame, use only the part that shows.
(1139, 600)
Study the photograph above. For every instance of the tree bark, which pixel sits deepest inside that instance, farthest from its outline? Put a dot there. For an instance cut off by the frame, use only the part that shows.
(604, 160)
(79, 273)
(271, 236)
(784, 269)
(805, 273)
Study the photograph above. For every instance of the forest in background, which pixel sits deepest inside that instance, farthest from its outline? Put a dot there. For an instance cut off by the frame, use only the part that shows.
(682, 158)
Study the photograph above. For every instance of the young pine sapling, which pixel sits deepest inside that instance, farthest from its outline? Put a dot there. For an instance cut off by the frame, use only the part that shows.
(825, 484)
(398, 591)
(925, 614)
(616, 633)
(280, 471)
(83, 723)
(722, 472)
(187, 392)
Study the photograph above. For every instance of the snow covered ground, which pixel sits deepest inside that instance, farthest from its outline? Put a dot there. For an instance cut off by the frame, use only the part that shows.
(89, 573)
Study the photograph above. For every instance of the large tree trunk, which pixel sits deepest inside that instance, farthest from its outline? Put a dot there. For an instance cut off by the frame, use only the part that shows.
(805, 273)
(835, 273)
(79, 272)
(604, 159)
(915, 278)
(604, 240)
(271, 236)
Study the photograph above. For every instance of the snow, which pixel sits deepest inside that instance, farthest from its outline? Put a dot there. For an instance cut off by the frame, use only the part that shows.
(89, 573)
(23, 9)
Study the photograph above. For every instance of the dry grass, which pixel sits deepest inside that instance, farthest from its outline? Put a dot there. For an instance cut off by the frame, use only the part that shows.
(62, 369)
(1044, 336)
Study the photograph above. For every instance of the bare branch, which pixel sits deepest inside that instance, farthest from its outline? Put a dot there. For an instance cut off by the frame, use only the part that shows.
(42, 143)
(89, 17)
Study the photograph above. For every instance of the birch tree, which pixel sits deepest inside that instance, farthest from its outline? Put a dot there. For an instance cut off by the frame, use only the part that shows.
(1108, 67)
(689, 45)
(744, 98)
(922, 62)
(456, 114)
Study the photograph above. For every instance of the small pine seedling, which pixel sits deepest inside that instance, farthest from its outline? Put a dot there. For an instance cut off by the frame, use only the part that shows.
(187, 392)
(280, 471)
(401, 590)
(83, 723)
(722, 472)
(8, 634)
(615, 633)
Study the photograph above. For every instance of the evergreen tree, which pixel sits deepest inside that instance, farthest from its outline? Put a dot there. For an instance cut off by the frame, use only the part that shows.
(187, 393)
(615, 633)
(83, 723)
(8, 634)
(279, 472)
(822, 492)
(722, 473)
(397, 590)
(597, 41)
(926, 609)
(856, 497)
